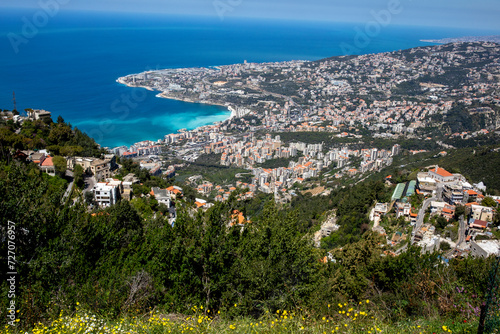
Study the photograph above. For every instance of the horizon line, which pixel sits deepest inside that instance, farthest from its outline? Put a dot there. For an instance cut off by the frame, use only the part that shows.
(245, 17)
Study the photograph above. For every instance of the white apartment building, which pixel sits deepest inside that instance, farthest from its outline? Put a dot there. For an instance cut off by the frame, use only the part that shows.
(106, 193)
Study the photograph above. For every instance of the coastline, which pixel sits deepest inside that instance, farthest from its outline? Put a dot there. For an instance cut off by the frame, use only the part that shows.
(466, 39)
(174, 84)
(229, 108)
(120, 80)
(163, 95)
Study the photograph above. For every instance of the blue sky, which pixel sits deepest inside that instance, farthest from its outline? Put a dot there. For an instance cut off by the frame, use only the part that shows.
(479, 14)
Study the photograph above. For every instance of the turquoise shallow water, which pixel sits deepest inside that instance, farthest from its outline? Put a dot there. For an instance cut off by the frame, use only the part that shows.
(71, 64)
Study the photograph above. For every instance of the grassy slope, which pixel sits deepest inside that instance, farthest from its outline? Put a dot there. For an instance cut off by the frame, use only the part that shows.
(345, 319)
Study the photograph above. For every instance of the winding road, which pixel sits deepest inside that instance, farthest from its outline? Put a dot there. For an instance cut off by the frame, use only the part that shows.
(420, 217)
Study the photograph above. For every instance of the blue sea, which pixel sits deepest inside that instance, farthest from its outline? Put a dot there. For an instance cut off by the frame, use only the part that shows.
(70, 63)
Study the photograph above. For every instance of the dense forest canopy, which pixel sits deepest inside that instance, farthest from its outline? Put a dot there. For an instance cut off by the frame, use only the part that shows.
(128, 258)
(117, 261)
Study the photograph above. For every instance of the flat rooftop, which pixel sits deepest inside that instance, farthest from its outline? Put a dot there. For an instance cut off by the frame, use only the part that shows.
(489, 246)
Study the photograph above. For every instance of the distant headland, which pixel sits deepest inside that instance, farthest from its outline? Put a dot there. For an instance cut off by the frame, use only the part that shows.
(493, 39)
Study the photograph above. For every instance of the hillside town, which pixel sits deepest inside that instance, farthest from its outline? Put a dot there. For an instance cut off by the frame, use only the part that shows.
(442, 192)
(391, 93)
(391, 96)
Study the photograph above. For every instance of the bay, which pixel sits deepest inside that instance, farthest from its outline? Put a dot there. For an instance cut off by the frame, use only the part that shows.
(71, 64)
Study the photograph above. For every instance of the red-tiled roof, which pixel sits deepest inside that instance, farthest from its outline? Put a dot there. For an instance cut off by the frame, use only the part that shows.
(174, 190)
(480, 223)
(47, 162)
(442, 172)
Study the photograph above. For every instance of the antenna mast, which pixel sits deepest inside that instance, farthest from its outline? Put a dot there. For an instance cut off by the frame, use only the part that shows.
(14, 100)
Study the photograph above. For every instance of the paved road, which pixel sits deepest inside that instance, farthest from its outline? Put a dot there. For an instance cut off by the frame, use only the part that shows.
(420, 217)
(402, 249)
(90, 181)
(439, 191)
(70, 186)
(445, 145)
(461, 231)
